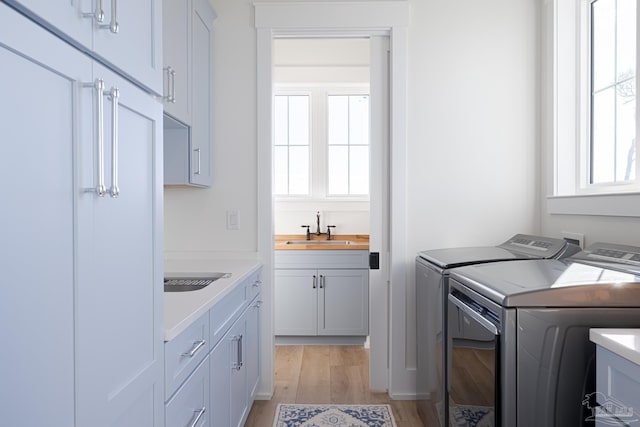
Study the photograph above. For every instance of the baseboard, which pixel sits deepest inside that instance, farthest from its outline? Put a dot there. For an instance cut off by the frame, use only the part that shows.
(403, 396)
(321, 340)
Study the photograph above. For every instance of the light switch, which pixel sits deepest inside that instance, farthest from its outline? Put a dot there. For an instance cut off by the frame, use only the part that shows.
(233, 222)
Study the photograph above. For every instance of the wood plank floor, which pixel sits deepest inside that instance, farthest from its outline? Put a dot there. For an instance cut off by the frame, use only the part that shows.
(325, 374)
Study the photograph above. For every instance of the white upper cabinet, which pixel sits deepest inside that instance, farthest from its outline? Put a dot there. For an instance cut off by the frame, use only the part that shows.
(176, 36)
(110, 30)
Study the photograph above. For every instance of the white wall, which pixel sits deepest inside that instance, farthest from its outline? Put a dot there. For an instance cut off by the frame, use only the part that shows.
(195, 219)
(472, 160)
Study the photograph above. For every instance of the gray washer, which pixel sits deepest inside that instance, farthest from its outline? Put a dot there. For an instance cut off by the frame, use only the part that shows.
(432, 274)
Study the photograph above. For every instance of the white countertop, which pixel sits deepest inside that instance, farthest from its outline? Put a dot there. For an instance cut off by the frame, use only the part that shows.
(623, 342)
(181, 309)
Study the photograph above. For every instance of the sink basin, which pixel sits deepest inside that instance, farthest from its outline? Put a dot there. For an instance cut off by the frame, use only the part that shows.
(193, 282)
(319, 242)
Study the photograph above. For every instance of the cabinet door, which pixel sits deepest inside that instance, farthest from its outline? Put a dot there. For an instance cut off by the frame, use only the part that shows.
(239, 394)
(63, 16)
(220, 370)
(176, 39)
(296, 302)
(136, 47)
(253, 347)
(343, 302)
(119, 341)
(202, 118)
(40, 125)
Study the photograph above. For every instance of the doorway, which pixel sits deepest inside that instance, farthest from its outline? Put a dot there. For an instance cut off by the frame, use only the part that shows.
(330, 160)
(379, 21)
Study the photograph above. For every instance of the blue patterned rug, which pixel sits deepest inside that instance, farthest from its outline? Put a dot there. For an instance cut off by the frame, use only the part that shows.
(298, 415)
(471, 416)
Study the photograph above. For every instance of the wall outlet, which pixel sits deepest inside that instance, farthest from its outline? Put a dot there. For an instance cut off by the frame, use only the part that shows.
(575, 238)
(233, 220)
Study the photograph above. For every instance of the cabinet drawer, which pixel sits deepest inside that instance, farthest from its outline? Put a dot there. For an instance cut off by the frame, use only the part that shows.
(321, 259)
(184, 353)
(190, 406)
(224, 313)
(618, 382)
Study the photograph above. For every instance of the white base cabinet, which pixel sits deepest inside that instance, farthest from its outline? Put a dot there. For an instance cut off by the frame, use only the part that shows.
(329, 301)
(230, 333)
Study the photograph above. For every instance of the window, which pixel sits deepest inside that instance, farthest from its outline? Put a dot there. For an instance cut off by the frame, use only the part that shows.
(612, 148)
(291, 144)
(348, 145)
(321, 143)
(592, 51)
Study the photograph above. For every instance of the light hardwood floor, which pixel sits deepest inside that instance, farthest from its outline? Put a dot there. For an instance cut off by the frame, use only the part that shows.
(325, 374)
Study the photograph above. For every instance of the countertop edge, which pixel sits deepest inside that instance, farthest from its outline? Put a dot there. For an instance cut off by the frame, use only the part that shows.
(605, 337)
(197, 303)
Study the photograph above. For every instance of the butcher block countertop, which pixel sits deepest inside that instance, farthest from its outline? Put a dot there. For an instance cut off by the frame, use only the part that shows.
(356, 242)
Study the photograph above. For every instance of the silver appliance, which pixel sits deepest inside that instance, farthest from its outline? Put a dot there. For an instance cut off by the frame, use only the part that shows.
(432, 273)
(521, 352)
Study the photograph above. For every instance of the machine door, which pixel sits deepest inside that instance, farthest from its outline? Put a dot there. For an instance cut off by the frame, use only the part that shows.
(473, 361)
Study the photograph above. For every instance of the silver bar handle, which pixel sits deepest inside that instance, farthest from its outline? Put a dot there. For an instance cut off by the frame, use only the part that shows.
(240, 358)
(115, 96)
(475, 315)
(171, 85)
(197, 172)
(98, 85)
(315, 281)
(112, 26)
(199, 415)
(236, 364)
(98, 14)
(196, 346)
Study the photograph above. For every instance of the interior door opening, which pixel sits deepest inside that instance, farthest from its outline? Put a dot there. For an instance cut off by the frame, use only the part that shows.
(321, 179)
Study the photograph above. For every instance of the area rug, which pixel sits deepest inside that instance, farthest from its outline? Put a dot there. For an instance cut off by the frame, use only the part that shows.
(298, 415)
(470, 416)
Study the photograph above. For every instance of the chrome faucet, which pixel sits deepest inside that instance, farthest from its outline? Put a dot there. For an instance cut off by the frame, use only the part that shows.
(318, 224)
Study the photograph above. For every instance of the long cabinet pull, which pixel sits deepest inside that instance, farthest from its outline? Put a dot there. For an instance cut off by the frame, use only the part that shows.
(315, 281)
(198, 415)
(197, 172)
(322, 284)
(196, 346)
(98, 85)
(240, 358)
(115, 96)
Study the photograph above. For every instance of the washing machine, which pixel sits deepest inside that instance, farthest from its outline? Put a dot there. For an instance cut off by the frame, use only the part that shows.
(432, 273)
(521, 354)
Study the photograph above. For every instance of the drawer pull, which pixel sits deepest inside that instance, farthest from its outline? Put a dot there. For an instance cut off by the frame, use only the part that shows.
(199, 415)
(196, 346)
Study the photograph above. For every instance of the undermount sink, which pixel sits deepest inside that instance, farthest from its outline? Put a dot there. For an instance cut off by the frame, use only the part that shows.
(192, 283)
(319, 242)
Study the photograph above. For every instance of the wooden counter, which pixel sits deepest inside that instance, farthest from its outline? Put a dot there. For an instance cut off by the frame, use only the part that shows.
(359, 242)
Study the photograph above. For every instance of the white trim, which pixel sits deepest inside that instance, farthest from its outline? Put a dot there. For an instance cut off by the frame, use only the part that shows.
(331, 18)
(619, 205)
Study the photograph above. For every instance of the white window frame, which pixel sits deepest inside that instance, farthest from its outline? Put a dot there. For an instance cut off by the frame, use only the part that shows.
(572, 193)
(319, 145)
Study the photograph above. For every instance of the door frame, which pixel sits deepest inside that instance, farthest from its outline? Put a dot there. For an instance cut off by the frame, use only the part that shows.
(367, 18)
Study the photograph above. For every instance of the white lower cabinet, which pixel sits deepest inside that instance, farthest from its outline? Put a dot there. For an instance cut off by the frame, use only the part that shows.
(190, 406)
(230, 330)
(618, 389)
(325, 301)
